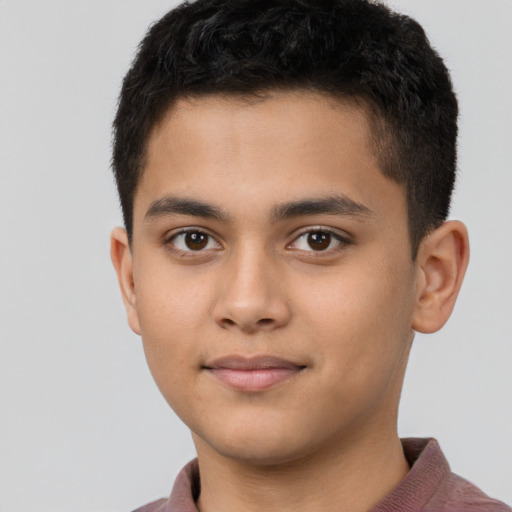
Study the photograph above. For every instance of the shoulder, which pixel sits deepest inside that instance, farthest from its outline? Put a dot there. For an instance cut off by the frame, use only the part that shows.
(183, 495)
(430, 485)
(154, 506)
(456, 494)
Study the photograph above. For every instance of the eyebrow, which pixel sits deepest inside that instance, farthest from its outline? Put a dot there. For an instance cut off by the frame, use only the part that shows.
(333, 205)
(173, 205)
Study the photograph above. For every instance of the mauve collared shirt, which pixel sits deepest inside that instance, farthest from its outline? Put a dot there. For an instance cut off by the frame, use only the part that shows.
(430, 486)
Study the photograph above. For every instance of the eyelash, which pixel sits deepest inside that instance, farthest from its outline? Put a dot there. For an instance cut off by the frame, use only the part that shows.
(343, 241)
(169, 242)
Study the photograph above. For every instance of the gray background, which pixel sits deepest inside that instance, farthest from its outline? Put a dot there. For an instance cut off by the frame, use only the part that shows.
(82, 426)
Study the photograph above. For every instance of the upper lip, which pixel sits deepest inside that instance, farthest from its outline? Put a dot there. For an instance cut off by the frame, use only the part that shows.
(236, 362)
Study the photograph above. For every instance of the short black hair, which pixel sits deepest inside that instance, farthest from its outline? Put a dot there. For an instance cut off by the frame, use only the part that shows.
(356, 50)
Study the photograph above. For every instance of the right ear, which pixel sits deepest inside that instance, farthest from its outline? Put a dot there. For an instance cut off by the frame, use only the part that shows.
(121, 255)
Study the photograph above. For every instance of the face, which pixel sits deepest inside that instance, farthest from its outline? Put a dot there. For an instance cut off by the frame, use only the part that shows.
(272, 280)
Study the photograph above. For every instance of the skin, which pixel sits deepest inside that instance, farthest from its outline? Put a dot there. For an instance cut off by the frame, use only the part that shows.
(324, 438)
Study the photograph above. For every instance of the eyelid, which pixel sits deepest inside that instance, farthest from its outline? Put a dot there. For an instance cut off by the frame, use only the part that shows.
(342, 237)
(172, 235)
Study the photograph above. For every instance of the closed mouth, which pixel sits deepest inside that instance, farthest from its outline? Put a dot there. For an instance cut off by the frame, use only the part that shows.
(252, 374)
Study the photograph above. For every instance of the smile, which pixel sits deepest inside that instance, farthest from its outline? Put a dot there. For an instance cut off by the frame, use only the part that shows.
(252, 374)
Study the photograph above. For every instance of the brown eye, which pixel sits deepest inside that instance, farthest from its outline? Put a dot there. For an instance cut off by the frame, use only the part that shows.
(319, 240)
(196, 241)
(193, 241)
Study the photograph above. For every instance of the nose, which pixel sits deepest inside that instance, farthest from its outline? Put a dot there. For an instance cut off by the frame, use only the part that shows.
(251, 297)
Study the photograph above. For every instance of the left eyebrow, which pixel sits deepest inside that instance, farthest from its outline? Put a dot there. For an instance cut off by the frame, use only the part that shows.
(334, 205)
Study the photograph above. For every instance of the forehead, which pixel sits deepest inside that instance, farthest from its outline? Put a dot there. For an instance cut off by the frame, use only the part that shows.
(213, 119)
(259, 152)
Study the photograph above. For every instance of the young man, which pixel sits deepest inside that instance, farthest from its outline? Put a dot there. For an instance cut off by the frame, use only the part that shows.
(285, 170)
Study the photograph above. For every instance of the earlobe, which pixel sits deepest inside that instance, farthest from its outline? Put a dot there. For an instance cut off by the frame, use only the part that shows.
(121, 255)
(442, 260)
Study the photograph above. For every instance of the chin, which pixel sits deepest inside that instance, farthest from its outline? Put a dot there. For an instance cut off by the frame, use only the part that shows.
(264, 447)
(258, 455)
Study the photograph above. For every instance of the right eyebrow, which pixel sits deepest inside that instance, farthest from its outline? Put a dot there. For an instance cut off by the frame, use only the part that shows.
(173, 205)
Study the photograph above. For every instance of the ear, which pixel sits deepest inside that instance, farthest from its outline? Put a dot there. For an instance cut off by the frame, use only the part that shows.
(442, 260)
(121, 255)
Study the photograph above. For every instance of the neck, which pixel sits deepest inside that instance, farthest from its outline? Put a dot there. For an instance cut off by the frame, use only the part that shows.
(354, 476)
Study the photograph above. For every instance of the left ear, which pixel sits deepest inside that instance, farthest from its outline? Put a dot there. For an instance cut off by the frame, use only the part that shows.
(442, 260)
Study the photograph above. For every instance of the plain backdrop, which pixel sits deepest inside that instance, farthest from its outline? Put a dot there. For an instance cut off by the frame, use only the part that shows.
(82, 425)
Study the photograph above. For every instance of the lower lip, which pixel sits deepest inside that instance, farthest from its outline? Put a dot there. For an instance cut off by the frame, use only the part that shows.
(253, 380)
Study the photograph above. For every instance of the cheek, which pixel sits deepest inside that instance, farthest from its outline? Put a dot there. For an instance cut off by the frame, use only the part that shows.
(172, 314)
(361, 319)
(170, 299)
(362, 346)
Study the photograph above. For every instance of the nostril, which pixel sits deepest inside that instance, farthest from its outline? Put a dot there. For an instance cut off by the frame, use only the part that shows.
(265, 321)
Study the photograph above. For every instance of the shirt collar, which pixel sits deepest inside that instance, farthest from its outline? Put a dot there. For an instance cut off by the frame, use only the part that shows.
(428, 468)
